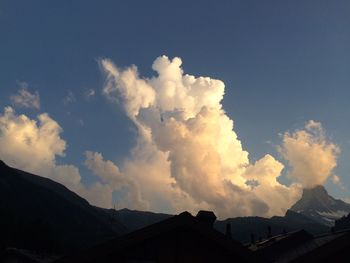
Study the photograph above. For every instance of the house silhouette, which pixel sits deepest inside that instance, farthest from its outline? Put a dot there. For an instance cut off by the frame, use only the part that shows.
(302, 247)
(181, 238)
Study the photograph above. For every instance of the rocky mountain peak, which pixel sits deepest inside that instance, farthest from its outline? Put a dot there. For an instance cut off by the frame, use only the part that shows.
(316, 195)
(317, 204)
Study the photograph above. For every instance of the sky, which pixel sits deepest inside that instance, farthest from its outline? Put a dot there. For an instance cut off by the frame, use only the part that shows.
(231, 102)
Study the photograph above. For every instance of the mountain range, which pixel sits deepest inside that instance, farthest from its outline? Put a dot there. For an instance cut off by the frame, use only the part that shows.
(37, 212)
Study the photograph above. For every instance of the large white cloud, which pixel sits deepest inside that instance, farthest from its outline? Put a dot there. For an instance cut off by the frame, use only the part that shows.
(111, 176)
(187, 155)
(34, 145)
(187, 151)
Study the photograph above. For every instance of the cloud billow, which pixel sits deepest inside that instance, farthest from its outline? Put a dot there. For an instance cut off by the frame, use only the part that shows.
(187, 154)
(195, 152)
(311, 156)
(34, 145)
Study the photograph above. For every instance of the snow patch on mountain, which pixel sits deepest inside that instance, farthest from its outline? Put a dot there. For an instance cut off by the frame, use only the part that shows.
(318, 205)
(334, 214)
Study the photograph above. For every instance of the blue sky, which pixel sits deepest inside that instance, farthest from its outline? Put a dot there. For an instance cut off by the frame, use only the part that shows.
(283, 63)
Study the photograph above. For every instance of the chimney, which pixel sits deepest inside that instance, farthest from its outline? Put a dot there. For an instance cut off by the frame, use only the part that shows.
(252, 238)
(284, 232)
(269, 232)
(228, 233)
(207, 217)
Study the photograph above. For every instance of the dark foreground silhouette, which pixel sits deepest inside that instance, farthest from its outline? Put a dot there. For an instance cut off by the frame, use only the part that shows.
(42, 221)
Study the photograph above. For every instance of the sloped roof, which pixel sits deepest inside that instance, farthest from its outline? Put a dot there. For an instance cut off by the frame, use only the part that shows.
(27, 255)
(295, 237)
(184, 219)
(325, 246)
(300, 246)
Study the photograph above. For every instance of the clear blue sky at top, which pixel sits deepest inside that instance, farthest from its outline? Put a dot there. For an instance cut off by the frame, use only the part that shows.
(283, 63)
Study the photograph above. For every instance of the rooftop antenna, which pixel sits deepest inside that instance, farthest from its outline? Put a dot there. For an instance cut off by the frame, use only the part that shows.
(113, 214)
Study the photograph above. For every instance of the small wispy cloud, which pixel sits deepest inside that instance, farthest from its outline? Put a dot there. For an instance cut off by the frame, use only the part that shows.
(69, 98)
(90, 93)
(25, 99)
(336, 180)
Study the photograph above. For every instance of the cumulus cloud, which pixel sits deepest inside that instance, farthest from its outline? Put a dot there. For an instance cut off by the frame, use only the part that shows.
(25, 99)
(111, 176)
(187, 155)
(34, 145)
(311, 156)
(188, 152)
(140, 96)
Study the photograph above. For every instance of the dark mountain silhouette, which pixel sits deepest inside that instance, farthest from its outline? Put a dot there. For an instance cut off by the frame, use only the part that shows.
(342, 223)
(180, 238)
(241, 227)
(38, 213)
(135, 220)
(318, 205)
(244, 227)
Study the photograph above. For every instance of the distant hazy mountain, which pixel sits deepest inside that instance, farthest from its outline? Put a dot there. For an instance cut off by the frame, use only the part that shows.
(134, 219)
(241, 227)
(318, 205)
(37, 212)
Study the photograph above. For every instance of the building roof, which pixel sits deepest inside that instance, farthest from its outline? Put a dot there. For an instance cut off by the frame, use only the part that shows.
(299, 246)
(183, 220)
(330, 246)
(26, 256)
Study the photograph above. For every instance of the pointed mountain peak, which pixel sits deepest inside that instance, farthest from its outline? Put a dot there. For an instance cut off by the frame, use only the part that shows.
(316, 188)
(316, 203)
(316, 198)
(317, 192)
